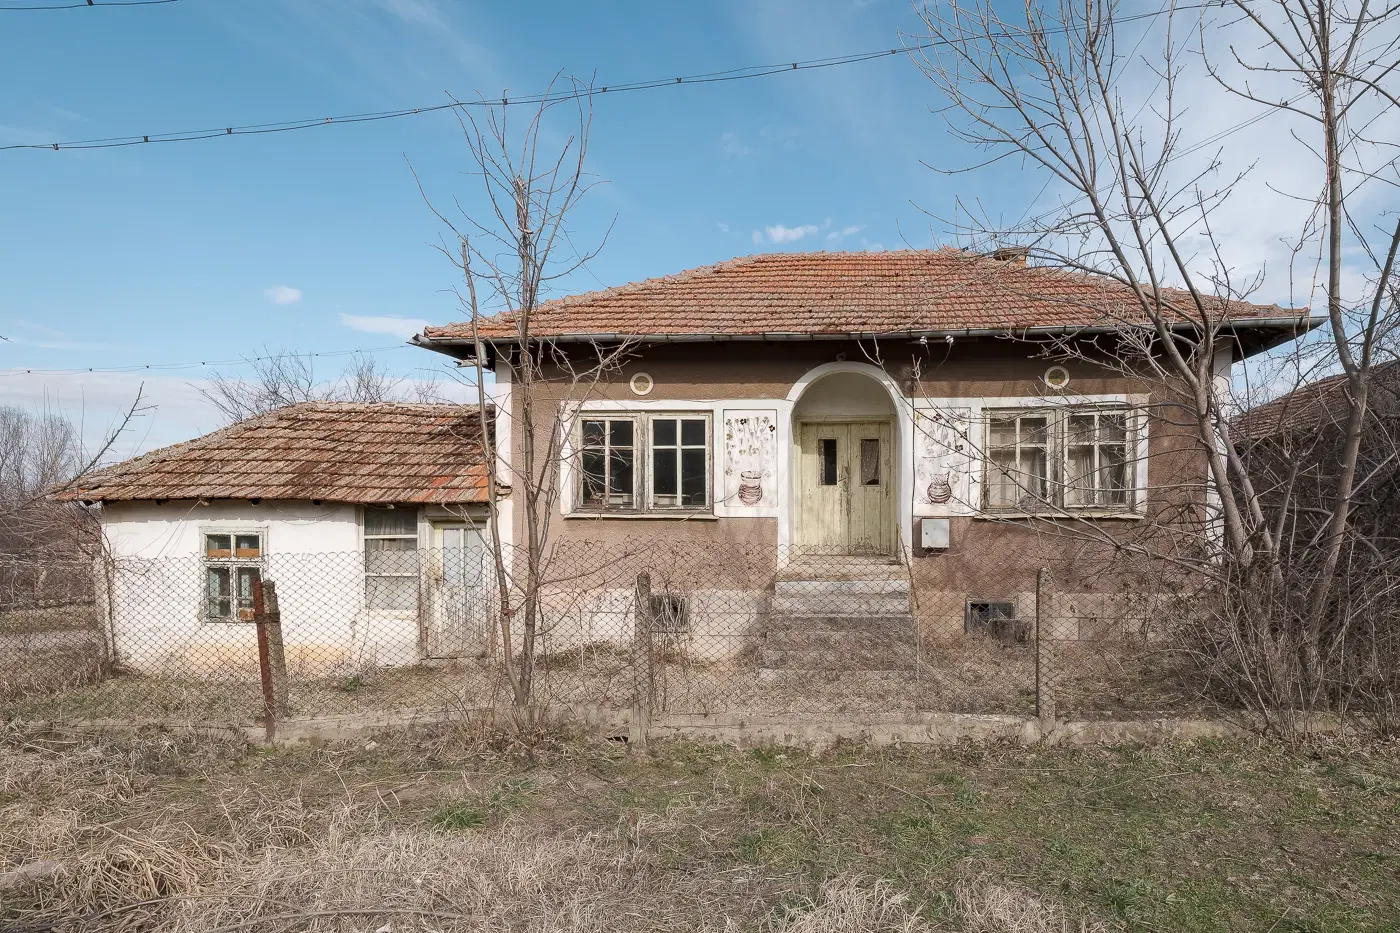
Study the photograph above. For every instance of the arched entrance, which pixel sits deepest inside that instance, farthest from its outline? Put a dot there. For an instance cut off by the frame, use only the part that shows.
(845, 432)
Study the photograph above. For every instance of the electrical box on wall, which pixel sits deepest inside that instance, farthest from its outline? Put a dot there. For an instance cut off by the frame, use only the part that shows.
(933, 534)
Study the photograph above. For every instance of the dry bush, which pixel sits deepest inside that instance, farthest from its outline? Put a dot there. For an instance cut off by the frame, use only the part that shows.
(993, 907)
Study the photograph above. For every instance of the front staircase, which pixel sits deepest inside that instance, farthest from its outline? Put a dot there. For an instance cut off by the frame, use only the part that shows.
(840, 613)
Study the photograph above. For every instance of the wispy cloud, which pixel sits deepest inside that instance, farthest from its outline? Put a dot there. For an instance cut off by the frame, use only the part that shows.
(721, 226)
(836, 236)
(733, 145)
(780, 234)
(282, 294)
(404, 327)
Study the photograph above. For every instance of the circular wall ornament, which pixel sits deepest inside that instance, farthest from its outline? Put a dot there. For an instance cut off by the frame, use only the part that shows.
(642, 384)
(1057, 377)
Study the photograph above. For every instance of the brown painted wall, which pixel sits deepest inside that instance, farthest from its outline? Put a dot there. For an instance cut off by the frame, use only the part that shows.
(987, 559)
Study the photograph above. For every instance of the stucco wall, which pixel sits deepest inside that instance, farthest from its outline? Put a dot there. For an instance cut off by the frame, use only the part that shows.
(312, 552)
(994, 560)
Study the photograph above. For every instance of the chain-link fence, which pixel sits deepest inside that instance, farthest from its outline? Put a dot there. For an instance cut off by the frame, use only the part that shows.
(693, 630)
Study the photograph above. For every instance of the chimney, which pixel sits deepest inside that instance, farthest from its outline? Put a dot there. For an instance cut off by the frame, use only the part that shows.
(1012, 254)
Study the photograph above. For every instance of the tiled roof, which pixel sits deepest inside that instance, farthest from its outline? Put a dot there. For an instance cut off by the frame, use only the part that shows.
(841, 293)
(333, 451)
(1318, 405)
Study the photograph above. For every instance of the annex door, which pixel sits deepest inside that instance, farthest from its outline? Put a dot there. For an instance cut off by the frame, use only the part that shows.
(846, 487)
(457, 592)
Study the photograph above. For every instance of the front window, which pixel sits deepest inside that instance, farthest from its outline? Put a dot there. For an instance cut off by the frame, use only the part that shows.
(391, 558)
(232, 572)
(1072, 458)
(632, 462)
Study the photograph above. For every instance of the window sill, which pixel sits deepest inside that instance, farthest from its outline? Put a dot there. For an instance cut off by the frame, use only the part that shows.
(1061, 515)
(678, 515)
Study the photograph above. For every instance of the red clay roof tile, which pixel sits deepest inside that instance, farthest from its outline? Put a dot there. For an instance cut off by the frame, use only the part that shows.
(840, 293)
(333, 451)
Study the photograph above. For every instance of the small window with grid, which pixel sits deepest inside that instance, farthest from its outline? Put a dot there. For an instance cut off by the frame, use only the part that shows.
(391, 558)
(232, 571)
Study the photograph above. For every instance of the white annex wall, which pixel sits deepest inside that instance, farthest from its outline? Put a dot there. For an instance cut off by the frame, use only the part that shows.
(313, 553)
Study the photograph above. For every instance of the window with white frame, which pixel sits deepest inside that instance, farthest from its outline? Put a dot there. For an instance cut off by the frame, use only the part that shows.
(232, 571)
(635, 462)
(391, 558)
(1078, 457)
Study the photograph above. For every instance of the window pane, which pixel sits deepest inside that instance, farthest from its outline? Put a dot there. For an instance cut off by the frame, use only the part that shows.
(1033, 430)
(380, 521)
(663, 432)
(620, 476)
(693, 432)
(218, 546)
(1113, 475)
(397, 593)
(391, 544)
(1113, 427)
(1081, 429)
(663, 472)
(693, 485)
(405, 562)
(247, 546)
(870, 461)
(1080, 482)
(593, 433)
(826, 449)
(218, 592)
(1035, 478)
(1002, 490)
(620, 433)
(1001, 432)
(594, 477)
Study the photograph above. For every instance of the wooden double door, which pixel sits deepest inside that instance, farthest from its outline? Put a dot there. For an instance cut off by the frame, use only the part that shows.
(846, 482)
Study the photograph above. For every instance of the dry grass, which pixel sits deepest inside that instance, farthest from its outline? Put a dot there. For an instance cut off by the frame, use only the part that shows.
(534, 829)
(988, 906)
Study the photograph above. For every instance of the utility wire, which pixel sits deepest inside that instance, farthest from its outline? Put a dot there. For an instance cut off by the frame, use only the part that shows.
(84, 5)
(537, 99)
(143, 367)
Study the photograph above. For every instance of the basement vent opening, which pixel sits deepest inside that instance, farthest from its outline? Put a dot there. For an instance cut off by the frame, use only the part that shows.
(997, 619)
(670, 614)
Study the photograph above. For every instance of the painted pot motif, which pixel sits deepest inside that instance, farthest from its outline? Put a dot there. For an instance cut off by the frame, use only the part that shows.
(940, 490)
(750, 487)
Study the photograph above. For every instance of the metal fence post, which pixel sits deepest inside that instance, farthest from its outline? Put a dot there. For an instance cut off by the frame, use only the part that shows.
(641, 663)
(1044, 655)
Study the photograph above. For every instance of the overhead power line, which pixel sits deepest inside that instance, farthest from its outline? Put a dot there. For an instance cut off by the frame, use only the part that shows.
(537, 99)
(154, 367)
(83, 5)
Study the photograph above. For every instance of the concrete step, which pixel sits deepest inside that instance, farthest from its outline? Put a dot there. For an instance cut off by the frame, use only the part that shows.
(842, 567)
(834, 602)
(795, 625)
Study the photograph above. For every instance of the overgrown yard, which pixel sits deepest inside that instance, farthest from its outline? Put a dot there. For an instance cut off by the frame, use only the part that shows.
(453, 829)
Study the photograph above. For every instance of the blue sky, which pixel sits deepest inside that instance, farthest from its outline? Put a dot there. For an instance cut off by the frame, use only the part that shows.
(318, 240)
(308, 240)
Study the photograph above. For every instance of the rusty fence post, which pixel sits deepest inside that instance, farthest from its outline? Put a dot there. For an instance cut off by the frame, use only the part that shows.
(641, 664)
(272, 664)
(1044, 654)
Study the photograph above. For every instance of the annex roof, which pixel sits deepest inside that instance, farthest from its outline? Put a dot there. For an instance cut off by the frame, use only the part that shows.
(333, 451)
(779, 295)
(1319, 405)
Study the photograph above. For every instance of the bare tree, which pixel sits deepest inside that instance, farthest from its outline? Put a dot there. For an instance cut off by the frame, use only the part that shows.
(41, 456)
(510, 255)
(287, 378)
(1048, 89)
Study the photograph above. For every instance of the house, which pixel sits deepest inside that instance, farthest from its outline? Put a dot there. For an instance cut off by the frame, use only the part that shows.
(894, 430)
(1292, 448)
(368, 516)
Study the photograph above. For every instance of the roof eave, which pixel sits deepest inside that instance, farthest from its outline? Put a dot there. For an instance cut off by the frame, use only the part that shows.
(1279, 329)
